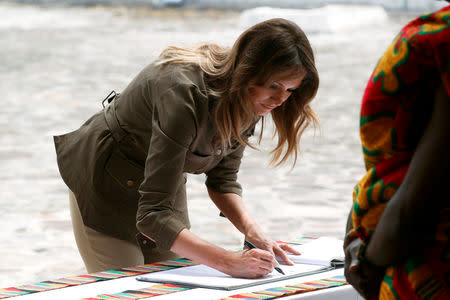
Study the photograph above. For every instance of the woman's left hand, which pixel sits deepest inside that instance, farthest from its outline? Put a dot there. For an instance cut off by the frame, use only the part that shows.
(366, 279)
(277, 249)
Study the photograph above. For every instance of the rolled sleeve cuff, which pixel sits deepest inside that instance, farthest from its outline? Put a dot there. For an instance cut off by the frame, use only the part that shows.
(224, 187)
(162, 227)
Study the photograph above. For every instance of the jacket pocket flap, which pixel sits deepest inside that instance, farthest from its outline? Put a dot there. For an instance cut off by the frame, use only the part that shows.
(128, 174)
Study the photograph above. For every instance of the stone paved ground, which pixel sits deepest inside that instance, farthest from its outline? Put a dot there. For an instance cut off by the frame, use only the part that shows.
(55, 66)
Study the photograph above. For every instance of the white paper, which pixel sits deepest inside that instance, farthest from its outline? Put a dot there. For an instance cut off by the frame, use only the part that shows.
(204, 276)
(321, 251)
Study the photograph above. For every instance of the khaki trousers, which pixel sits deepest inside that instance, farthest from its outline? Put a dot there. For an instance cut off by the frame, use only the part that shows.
(101, 252)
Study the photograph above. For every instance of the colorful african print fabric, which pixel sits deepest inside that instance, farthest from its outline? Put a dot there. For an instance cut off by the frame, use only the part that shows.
(395, 109)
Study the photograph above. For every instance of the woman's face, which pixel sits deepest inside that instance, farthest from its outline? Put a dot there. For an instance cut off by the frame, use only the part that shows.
(264, 98)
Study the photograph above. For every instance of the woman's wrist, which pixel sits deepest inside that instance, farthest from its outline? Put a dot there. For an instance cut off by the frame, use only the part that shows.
(251, 229)
(224, 262)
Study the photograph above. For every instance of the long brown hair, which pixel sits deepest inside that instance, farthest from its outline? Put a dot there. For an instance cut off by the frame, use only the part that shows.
(267, 48)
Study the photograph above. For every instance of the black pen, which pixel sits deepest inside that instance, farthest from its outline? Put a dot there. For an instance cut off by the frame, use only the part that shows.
(251, 246)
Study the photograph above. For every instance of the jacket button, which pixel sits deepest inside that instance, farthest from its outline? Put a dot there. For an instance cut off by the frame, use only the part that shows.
(130, 183)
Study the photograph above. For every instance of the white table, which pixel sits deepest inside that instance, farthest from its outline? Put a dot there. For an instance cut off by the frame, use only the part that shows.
(130, 283)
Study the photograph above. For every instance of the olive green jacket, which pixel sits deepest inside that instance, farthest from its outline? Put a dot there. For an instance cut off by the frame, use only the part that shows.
(127, 164)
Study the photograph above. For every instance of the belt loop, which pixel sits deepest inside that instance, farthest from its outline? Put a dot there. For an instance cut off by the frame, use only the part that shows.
(111, 118)
(109, 98)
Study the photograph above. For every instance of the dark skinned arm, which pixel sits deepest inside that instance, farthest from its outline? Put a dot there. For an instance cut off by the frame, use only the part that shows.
(412, 213)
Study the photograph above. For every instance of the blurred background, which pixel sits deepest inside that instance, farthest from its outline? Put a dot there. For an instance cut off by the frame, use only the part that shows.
(60, 58)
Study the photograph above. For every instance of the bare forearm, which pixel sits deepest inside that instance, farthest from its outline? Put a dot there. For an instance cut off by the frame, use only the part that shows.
(187, 244)
(247, 264)
(233, 207)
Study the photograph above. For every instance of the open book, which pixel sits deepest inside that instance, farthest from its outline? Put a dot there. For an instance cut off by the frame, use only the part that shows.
(324, 251)
(206, 277)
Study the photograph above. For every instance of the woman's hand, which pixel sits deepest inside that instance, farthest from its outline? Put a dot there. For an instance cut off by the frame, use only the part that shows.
(282, 250)
(276, 249)
(253, 263)
(257, 262)
(365, 278)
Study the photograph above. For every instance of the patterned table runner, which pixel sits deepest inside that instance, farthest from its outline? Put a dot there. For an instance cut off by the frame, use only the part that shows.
(270, 293)
(159, 289)
(277, 292)
(152, 291)
(93, 277)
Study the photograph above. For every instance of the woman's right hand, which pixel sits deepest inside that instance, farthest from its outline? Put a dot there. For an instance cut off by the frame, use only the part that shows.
(253, 263)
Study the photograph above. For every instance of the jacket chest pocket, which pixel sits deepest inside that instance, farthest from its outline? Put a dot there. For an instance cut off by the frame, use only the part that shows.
(197, 163)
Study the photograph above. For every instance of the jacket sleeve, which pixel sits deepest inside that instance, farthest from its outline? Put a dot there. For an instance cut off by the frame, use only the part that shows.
(223, 177)
(162, 209)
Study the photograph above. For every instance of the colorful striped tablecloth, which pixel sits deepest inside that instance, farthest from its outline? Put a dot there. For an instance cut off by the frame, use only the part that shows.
(163, 289)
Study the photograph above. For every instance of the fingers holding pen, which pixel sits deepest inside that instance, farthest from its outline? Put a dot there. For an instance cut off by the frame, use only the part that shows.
(269, 249)
(274, 248)
(258, 262)
(263, 255)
